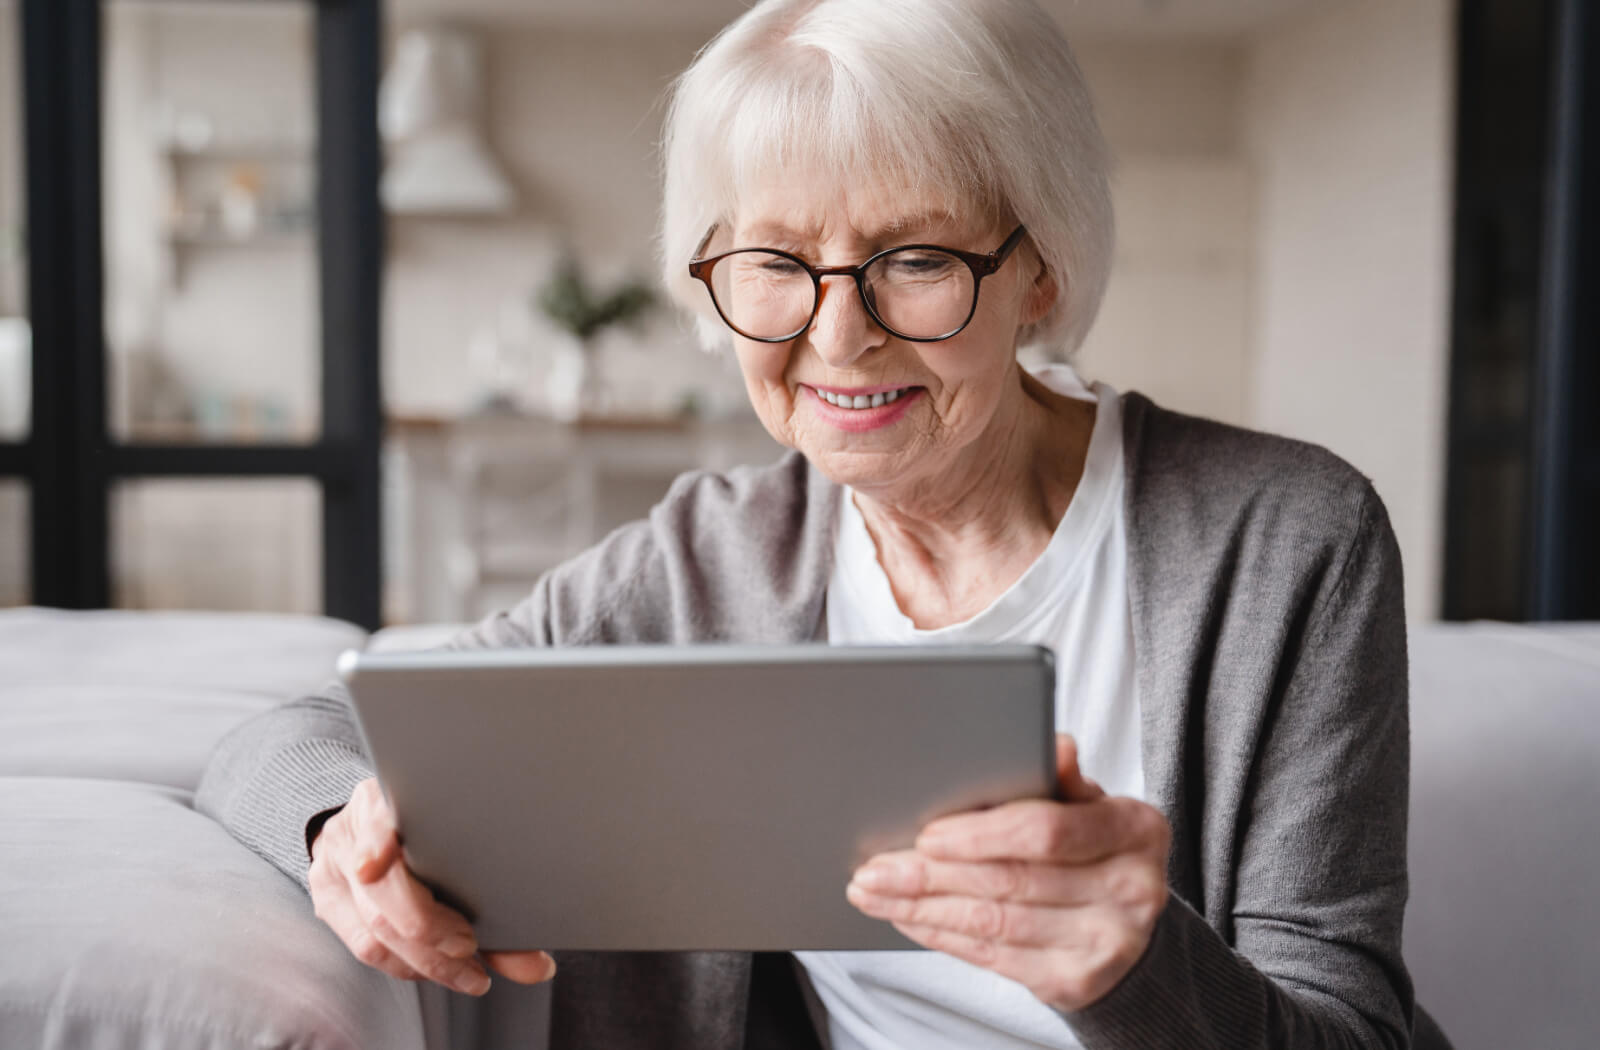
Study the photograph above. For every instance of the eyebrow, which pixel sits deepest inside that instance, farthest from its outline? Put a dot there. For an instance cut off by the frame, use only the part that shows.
(922, 220)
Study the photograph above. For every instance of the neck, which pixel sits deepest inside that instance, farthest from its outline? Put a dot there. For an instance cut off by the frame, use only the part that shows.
(952, 543)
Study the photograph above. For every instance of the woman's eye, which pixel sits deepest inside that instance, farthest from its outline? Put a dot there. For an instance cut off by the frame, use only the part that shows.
(919, 264)
(782, 267)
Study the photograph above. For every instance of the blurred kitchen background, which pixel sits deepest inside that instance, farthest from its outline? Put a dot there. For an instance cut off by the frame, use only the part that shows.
(1334, 223)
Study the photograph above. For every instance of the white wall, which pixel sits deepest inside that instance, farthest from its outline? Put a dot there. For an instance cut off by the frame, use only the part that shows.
(1349, 115)
(1174, 324)
(574, 115)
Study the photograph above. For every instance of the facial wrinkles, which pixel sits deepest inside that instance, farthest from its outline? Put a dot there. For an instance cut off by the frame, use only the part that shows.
(844, 227)
(962, 381)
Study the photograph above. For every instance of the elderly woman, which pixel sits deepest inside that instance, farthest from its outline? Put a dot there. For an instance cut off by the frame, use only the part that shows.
(878, 204)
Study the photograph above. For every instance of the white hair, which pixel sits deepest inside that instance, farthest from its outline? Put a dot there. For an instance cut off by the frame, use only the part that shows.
(978, 101)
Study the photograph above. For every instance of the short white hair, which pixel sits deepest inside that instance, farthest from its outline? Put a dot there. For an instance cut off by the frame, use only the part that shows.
(979, 101)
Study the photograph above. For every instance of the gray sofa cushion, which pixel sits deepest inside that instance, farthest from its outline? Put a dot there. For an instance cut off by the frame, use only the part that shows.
(133, 922)
(145, 696)
(1502, 935)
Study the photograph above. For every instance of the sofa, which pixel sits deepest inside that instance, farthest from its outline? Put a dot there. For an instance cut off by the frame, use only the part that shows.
(131, 921)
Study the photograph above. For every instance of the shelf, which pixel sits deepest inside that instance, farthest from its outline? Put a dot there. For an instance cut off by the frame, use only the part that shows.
(275, 239)
(225, 152)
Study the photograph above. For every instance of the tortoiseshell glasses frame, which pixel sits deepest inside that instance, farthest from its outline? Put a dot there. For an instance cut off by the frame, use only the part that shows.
(981, 265)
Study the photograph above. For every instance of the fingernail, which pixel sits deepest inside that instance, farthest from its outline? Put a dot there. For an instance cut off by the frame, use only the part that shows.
(861, 897)
(551, 960)
(883, 875)
(473, 983)
(458, 946)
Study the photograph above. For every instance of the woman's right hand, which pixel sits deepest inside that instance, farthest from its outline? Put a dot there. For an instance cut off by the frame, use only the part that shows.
(362, 889)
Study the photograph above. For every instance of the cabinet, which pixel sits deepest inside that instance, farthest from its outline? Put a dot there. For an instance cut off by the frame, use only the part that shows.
(479, 508)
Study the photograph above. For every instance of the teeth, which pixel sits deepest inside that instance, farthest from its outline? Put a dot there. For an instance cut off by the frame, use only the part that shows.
(863, 400)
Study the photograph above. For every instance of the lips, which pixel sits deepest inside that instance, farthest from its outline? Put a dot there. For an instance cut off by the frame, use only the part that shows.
(879, 406)
(861, 399)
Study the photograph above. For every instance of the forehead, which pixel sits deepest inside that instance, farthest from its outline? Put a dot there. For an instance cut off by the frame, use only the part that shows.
(811, 209)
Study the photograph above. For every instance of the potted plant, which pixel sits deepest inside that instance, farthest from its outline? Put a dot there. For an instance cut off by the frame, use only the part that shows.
(574, 387)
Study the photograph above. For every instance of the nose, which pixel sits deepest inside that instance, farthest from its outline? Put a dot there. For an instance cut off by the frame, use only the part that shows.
(842, 331)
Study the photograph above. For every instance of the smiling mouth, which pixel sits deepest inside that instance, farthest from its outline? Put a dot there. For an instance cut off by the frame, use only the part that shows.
(858, 401)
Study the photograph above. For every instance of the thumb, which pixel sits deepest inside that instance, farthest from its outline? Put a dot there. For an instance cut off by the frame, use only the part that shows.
(1075, 787)
(523, 967)
(377, 841)
(378, 853)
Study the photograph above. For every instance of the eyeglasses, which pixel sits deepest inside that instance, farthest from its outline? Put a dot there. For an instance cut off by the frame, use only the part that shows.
(920, 292)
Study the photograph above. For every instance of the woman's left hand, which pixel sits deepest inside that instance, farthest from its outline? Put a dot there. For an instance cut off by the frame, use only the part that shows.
(1060, 896)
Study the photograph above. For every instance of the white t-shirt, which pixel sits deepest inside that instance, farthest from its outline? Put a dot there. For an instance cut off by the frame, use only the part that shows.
(1074, 599)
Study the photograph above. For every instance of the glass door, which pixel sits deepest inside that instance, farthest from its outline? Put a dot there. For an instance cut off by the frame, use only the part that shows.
(203, 211)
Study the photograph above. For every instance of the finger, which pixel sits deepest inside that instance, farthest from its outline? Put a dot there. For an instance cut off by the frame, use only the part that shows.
(411, 908)
(1063, 980)
(463, 975)
(365, 946)
(1075, 787)
(440, 948)
(1005, 922)
(335, 908)
(907, 873)
(377, 846)
(523, 967)
(1036, 829)
(1019, 964)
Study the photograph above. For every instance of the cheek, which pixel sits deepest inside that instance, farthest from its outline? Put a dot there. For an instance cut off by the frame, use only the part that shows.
(764, 366)
(971, 368)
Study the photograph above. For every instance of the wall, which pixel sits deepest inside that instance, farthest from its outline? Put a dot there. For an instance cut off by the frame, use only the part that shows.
(1174, 324)
(1349, 116)
(573, 114)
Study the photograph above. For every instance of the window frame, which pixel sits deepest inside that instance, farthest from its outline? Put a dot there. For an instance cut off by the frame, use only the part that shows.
(69, 458)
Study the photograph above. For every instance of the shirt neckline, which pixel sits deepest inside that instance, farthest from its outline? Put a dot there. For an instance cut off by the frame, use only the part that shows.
(1057, 568)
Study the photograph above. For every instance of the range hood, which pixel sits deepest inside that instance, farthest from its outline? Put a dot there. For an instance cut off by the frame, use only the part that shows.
(428, 110)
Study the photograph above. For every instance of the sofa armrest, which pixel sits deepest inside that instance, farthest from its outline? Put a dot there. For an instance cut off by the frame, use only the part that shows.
(134, 923)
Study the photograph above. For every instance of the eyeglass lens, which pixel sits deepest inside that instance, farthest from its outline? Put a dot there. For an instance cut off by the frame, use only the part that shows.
(919, 293)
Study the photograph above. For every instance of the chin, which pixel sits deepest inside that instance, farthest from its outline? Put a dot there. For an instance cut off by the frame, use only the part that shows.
(858, 468)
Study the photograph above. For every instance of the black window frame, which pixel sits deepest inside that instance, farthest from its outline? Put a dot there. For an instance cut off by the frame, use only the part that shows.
(69, 458)
(1524, 322)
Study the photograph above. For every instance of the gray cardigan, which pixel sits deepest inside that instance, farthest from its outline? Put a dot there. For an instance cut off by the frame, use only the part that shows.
(1271, 665)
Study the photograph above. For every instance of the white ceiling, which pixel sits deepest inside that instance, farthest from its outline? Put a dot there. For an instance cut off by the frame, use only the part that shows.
(1214, 20)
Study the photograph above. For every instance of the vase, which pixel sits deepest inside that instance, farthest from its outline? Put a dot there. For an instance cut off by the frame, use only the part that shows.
(574, 386)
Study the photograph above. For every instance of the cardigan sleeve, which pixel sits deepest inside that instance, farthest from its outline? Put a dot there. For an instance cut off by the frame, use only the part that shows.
(275, 774)
(1321, 879)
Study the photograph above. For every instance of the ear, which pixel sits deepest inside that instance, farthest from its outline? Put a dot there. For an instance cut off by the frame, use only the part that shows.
(1041, 295)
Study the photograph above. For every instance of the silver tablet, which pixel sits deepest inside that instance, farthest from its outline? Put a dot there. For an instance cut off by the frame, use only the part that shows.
(710, 797)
